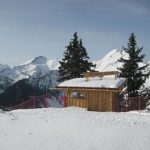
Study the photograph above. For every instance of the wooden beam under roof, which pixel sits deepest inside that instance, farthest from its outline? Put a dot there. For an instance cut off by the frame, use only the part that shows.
(88, 89)
(100, 74)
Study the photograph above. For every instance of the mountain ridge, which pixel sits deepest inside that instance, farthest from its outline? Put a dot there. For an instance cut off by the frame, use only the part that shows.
(53, 64)
(43, 72)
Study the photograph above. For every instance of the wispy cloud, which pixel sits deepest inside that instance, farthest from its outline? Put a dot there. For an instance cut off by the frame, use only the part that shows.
(52, 12)
(133, 7)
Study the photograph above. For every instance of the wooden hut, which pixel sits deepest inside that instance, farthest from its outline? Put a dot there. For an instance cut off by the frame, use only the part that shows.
(97, 91)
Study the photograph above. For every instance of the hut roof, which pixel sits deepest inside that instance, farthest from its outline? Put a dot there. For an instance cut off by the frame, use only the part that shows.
(94, 82)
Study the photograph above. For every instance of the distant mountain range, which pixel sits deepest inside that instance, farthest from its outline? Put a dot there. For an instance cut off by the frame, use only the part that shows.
(39, 75)
(43, 73)
(40, 72)
(23, 91)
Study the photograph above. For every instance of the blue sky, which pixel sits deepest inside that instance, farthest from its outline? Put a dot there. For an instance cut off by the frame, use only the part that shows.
(31, 28)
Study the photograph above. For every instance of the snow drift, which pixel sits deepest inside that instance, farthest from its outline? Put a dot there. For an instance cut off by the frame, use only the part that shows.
(73, 129)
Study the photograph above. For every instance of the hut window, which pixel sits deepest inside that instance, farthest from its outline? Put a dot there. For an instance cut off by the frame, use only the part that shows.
(76, 95)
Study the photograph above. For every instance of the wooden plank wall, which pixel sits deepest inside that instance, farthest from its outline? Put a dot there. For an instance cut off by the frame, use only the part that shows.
(115, 100)
(94, 100)
(78, 102)
(100, 101)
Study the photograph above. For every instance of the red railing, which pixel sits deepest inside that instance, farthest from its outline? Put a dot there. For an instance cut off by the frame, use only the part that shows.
(126, 104)
(34, 102)
(132, 103)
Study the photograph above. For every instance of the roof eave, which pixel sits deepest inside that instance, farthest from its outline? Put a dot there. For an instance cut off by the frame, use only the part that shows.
(86, 89)
(119, 89)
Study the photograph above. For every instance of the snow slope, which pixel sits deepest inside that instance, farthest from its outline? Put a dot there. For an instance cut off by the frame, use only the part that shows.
(73, 129)
(42, 61)
(110, 61)
(39, 65)
(40, 68)
(36, 65)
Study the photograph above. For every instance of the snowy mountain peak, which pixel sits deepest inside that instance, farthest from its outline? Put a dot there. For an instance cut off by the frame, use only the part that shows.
(42, 67)
(110, 61)
(36, 60)
(39, 60)
(37, 67)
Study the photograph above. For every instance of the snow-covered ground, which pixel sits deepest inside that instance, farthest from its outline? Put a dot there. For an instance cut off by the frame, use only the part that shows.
(73, 129)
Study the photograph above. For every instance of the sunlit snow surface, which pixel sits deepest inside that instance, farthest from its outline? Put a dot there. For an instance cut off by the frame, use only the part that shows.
(73, 129)
(96, 82)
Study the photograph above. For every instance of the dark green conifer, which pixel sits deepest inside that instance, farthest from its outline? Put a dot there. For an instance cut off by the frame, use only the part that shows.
(75, 61)
(130, 68)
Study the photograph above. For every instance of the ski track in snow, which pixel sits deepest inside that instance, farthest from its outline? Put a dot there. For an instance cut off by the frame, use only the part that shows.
(73, 129)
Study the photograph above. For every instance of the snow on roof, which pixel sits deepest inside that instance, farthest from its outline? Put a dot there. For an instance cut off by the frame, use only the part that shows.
(106, 82)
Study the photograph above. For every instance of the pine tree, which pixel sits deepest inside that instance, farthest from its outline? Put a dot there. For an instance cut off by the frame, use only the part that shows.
(130, 68)
(75, 61)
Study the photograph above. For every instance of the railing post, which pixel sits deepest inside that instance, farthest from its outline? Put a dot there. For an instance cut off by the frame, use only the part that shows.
(64, 100)
(112, 105)
(46, 100)
(21, 104)
(34, 101)
(10, 107)
(139, 104)
(127, 104)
